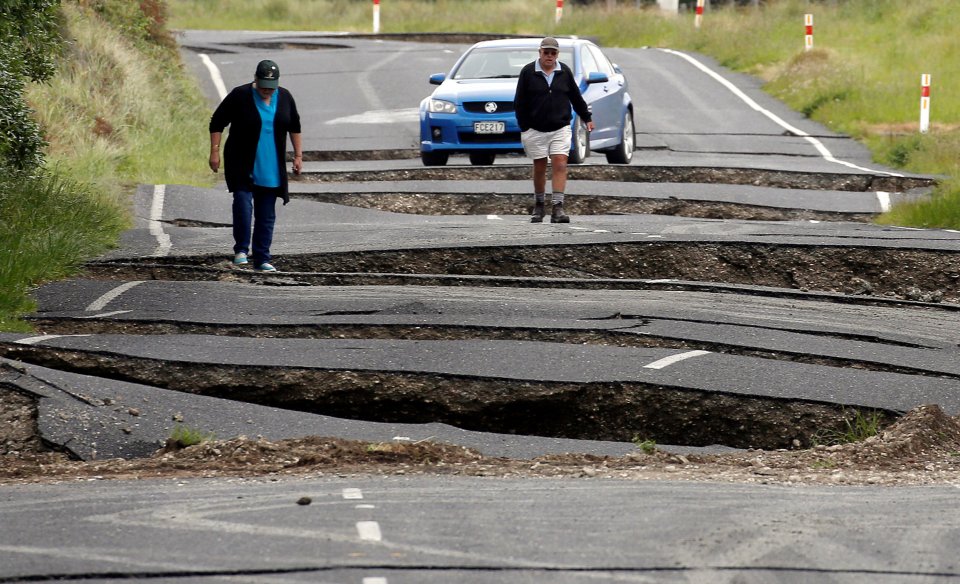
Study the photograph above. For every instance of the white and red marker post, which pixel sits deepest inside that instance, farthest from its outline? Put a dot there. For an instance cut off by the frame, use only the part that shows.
(924, 103)
(698, 19)
(559, 16)
(808, 26)
(376, 16)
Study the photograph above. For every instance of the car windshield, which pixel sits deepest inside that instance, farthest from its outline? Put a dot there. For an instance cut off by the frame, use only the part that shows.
(498, 63)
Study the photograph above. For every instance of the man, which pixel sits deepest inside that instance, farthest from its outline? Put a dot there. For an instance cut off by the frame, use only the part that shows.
(261, 115)
(546, 90)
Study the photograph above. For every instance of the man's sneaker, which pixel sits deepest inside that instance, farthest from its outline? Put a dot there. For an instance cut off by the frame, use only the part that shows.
(240, 259)
(265, 267)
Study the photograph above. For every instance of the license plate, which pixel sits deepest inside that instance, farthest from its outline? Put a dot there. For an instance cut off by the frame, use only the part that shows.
(489, 127)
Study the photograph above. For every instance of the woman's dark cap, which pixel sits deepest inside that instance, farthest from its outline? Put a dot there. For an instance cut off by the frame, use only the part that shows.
(268, 74)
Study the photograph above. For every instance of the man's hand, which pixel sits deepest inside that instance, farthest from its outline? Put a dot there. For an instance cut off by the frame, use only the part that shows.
(215, 160)
(590, 126)
(297, 164)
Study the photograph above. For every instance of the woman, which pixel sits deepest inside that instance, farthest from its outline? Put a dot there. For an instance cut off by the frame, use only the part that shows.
(260, 116)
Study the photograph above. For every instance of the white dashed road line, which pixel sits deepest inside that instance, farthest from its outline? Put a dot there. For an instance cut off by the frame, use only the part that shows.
(375, 580)
(369, 530)
(352, 493)
(667, 361)
(101, 303)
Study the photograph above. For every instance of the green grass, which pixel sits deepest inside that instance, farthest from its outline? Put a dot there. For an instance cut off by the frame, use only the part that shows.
(184, 436)
(118, 113)
(47, 239)
(646, 446)
(857, 427)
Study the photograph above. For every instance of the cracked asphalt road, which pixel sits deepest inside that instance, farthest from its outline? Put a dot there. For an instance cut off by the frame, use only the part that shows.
(171, 334)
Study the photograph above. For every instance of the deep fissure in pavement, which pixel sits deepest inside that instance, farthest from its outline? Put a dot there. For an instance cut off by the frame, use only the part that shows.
(640, 174)
(434, 332)
(923, 275)
(516, 204)
(618, 411)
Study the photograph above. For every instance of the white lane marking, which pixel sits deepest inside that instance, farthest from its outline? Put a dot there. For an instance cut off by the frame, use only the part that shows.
(369, 530)
(601, 231)
(105, 314)
(884, 199)
(367, 87)
(494, 218)
(374, 580)
(382, 116)
(364, 506)
(101, 303)
(156, 227)
(352, 493)
(41, 338)
(214, 75)
(824, 152)
(667, 361)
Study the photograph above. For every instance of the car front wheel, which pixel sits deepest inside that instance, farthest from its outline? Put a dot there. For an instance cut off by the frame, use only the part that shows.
(623, 153)
(581, 143)
(434, 158)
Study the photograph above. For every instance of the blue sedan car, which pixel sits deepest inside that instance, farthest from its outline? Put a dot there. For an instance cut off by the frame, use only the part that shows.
(472, 110)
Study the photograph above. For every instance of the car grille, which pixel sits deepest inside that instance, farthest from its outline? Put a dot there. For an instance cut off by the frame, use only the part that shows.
(478, 107)
(471, 138)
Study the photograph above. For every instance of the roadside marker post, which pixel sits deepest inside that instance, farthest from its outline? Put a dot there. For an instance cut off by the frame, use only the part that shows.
(808, 25)
(559, 16)
(924, 103)
(698, 19)
(376, 16)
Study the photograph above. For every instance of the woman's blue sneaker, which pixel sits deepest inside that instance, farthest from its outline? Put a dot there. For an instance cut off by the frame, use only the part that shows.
(240, 259)
(265, 267)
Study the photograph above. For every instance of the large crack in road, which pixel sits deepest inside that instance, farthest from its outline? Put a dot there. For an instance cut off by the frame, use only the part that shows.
(924, 275)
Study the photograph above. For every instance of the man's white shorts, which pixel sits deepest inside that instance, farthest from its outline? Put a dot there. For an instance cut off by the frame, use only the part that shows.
(541, 144)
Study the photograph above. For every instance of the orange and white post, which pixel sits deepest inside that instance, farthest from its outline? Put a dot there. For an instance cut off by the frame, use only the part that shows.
(376, 16)
(808, 25)
(698, 19)
(924, 103)
(559, 16)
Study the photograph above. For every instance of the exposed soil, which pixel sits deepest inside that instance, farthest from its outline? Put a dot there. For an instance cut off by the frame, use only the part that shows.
(494, 203)
(923, 447)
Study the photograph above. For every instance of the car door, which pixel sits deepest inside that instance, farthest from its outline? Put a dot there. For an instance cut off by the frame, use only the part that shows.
(602, 98)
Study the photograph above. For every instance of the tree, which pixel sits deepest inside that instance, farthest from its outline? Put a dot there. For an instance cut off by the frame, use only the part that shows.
(29, 44)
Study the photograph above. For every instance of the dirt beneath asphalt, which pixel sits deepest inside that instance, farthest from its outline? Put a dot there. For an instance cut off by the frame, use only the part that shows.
(922, 447)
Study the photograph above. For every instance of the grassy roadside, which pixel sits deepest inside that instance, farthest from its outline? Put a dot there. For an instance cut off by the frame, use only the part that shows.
(119, 111)
(863, 78)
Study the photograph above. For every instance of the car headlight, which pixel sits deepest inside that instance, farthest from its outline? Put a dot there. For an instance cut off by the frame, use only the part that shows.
(438, 106)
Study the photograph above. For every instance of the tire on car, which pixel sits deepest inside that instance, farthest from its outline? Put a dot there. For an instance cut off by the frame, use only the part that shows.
(482, 158)
(434, 158)
(623, 153)
(580, 143)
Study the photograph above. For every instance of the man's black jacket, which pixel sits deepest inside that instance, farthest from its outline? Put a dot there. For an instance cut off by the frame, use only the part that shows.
(547, 108)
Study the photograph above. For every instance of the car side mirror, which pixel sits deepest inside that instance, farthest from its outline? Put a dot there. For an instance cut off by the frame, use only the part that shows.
(437, 78)
(597, 77)
(617, 69)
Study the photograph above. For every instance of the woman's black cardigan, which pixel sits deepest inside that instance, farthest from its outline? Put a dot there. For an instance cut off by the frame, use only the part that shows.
(239, 111)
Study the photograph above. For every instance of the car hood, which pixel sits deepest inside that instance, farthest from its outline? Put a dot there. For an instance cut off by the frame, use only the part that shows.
(459, 91)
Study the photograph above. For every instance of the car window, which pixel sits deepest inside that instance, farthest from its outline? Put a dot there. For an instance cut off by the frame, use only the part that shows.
(497, 63)
(603, 63)
(589, 63)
